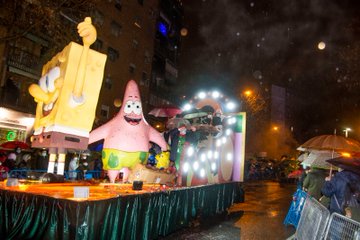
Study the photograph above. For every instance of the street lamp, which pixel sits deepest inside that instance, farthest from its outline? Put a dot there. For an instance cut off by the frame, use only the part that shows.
(248, 93)
(347, 130)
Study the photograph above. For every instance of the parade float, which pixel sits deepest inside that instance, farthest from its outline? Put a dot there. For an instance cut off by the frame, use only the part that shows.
(207, 144)
(67, 96)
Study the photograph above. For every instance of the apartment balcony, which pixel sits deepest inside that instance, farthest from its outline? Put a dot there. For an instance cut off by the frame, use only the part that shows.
(24, 63)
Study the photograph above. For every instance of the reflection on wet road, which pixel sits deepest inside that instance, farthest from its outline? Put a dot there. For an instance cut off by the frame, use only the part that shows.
(260, 217)
(264, 210)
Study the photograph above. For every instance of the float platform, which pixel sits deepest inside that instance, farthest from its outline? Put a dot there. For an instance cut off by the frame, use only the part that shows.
(112, 211)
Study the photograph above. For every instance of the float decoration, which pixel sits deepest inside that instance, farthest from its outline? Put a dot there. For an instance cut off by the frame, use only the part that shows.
(127, 136)
(67, 96)
(218, 154)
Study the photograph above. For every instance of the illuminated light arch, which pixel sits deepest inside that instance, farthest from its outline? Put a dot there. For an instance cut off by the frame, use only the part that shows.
(210, 168)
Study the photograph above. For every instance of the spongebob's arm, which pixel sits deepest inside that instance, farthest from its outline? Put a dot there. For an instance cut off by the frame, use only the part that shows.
(156, 137)
(88, 33)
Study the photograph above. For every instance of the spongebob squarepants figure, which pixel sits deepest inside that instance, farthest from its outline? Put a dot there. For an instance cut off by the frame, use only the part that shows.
(66, 96)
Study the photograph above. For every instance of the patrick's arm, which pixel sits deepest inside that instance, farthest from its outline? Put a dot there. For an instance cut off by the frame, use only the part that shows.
(99, 133)
(156, 137)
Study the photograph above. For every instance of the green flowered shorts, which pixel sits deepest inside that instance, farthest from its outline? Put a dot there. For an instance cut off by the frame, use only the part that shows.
(114, 159)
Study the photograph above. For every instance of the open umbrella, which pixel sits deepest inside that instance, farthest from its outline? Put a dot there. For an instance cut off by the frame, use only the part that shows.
(177, 122)
(332, 142)
(165, 111)
(317, 158)
(11, 145)
(348, 163)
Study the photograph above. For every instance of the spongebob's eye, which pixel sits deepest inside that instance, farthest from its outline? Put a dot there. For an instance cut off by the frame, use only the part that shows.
(137, 107)
(43, 84)
(128, 107)
(47, 82)
(53, 74)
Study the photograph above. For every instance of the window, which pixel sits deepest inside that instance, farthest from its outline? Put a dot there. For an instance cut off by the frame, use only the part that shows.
(113, 54)
(104, 111)
(147, 57)
(108, 83)
(98, 18)
(132, 68)
(135, 44)
(98, 44)
(118, 5)
(115, 28)
(144, 79)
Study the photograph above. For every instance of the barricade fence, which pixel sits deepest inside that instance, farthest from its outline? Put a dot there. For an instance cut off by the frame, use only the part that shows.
(316, 223)
(313, 220)
(23, 173)
(341, 227)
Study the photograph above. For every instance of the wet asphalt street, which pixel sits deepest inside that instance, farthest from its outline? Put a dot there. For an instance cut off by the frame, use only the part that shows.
(261, 216)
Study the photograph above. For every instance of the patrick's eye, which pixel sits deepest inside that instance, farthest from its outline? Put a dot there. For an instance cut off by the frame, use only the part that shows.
(128, 107)
(137, 107)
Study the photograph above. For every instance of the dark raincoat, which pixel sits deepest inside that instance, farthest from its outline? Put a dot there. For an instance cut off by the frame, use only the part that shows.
(336, 188)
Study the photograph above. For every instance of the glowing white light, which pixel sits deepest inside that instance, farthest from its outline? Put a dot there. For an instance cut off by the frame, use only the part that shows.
(321, 45)
(3, 112)
(203, 157)
(213, 166)
(27, 121)
(218, 143)
(186, 167)
(210, 154)
(215, 94)
(187, 107)
(196, 165)
(229, 156)
(230, 105)
(216, 155)
(202, 173)
(202, 95)
(190, 151)
(223, 139)
(232, 120)
(228, 132)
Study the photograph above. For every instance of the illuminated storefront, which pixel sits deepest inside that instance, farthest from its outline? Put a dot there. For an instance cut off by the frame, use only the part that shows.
(15, 126)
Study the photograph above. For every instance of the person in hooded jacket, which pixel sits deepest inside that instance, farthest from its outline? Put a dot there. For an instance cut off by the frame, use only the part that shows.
(336, 187)
(314, 182)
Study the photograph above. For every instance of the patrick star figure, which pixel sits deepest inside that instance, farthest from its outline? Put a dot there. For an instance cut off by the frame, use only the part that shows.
(127, 136)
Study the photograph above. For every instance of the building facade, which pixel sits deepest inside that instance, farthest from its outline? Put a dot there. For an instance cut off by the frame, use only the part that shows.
(140, 38)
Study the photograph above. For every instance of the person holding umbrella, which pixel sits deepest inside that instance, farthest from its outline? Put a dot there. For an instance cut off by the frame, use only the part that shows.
(337, 188)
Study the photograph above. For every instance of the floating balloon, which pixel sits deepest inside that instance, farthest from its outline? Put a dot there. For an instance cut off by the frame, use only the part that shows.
(183, 32)
(321, 45)
(117, 102)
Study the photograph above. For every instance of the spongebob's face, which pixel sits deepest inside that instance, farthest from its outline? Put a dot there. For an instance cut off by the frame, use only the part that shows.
(163, 156)
(47, 85)
(47, 91)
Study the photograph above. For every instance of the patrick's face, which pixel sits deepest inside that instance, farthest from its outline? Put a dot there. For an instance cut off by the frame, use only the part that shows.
(132, 110)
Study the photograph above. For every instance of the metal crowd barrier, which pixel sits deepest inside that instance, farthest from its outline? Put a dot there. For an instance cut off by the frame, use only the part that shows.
(341, 227)
(317, 224)
(22, 173)
(313, 221)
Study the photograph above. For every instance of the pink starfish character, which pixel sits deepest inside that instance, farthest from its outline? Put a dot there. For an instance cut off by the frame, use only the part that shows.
(127, 136)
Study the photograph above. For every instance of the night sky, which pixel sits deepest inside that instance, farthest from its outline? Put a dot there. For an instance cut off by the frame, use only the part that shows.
(234, 44)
